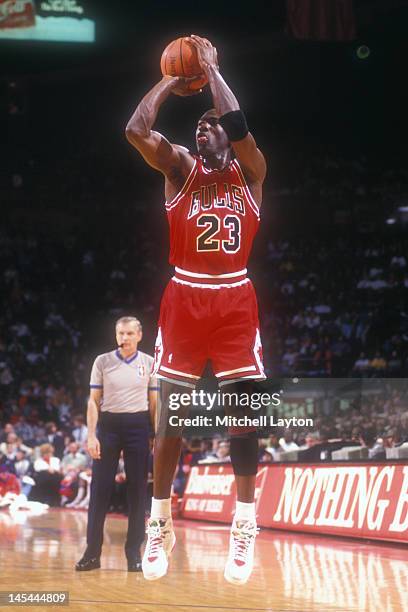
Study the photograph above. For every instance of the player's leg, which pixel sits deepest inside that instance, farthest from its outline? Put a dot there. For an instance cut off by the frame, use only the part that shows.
(167, 444)
(180, 356)
(236, 354)
(167, 447)
(244, 458)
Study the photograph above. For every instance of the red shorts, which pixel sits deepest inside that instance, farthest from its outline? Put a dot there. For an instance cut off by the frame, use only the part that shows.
(216, 322)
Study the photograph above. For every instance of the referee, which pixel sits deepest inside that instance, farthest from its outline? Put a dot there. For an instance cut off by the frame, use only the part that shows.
(122, 401)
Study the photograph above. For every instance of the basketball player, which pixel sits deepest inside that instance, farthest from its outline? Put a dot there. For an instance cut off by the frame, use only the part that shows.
(209, 309)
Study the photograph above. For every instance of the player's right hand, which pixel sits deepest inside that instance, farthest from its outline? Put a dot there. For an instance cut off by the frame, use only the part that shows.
(181, 86)
(94, 447)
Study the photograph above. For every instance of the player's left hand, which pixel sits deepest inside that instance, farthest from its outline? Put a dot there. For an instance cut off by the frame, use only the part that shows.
(207, 54)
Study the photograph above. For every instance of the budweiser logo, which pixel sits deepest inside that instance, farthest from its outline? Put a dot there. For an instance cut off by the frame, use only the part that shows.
(210, 484)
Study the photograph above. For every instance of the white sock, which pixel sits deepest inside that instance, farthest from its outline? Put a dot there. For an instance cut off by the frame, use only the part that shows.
(161, 508)
(245, 512)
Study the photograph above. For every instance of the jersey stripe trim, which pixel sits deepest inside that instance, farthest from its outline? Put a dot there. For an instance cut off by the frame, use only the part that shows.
(208, 286)
(178, 373)
(200, 275)
(250, 368)
(186, 186)
(245, 187)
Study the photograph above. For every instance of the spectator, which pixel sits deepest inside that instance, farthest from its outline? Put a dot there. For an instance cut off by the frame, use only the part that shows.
(24, 430)
(55, 438)
(8, 428)
(362, 364)
(12, 445)
(265, 457)
(74, 459)
(222, 455)
(47, 476)
(24, 470)
(274, 448)
(286, 442)
(311, 439)
(80, 431)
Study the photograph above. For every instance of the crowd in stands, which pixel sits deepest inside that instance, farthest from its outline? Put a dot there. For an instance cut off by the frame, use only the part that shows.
(337, 308)
(49, 463)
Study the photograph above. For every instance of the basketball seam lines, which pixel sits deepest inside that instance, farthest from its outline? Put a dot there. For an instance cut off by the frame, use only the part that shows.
(165, 63)
(181, 56)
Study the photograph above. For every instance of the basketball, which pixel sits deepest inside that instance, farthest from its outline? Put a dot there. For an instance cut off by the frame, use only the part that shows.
(180, 59)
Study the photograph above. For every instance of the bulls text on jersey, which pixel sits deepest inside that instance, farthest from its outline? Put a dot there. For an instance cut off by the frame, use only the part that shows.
(215, 196)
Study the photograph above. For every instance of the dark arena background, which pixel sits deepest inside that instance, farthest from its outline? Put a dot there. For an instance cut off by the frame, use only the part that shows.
(84, 241)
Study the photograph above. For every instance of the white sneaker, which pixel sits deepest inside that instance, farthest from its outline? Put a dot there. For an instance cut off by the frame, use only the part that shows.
(160, 542)
(241, 552)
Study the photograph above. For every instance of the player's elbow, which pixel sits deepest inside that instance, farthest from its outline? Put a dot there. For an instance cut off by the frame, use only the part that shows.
(135, 132)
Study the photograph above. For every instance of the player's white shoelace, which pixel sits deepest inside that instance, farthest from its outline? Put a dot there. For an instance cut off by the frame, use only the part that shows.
(241, 554)
(160, 541)
(155, 541)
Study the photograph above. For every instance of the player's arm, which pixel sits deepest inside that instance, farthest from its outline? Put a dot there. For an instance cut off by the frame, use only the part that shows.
(92, 416)
(155, 148)
(249, 156)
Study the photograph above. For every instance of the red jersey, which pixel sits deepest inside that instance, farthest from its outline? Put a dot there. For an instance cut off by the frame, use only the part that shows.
(213, 221)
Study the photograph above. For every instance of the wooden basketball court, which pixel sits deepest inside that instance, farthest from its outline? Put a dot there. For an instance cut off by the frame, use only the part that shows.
(292, 572)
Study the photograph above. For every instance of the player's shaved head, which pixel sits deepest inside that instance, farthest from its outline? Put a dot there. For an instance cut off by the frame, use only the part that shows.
(209, 114)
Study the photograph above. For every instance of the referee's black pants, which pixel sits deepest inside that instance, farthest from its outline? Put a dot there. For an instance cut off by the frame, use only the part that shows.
(128, 432)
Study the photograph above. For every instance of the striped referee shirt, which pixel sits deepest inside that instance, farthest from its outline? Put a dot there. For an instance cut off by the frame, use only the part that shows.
(125, 383)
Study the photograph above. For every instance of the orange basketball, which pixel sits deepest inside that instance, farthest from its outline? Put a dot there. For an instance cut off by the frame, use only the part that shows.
(180, 59)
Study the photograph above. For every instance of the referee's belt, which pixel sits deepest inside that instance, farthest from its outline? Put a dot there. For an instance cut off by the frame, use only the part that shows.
(198, 279)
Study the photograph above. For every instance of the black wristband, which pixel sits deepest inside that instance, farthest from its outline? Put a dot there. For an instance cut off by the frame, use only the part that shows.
(235, 125)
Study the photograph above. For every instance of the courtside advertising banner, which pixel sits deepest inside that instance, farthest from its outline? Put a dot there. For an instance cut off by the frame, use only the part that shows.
(356, 500)
(51, 20)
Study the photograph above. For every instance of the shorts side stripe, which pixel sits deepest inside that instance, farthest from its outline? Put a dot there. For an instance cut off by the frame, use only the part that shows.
(179, 373)
(182, 383)
(250, 368)
(229, 381)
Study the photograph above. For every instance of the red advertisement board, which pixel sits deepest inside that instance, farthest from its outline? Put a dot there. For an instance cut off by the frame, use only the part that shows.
(357, 500)
(17, 13)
